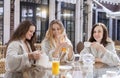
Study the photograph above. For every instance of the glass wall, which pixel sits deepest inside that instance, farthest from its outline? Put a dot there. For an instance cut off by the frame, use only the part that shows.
(1, 21)
(41, 21)
(36, 11)
(103, 18)
(85, 21)
(27, 11)
(68, 19)
(118, 30)
(94, 17)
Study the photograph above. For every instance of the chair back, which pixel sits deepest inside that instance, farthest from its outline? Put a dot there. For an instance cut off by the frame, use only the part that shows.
(117, 42)
(80, 47)
(2, 59)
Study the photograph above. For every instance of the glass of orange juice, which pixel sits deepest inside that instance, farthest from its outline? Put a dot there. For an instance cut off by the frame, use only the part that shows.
(55, 66)
(64, 49)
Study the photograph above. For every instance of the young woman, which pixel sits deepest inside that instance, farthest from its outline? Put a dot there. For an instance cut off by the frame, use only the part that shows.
(102, 47)
(20, 52)
(56, 41)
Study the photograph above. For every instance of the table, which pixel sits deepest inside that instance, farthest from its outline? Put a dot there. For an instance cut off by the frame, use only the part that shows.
(99, 70)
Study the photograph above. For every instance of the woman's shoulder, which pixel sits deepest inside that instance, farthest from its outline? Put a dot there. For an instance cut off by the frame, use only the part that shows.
(110, 44)
(109, 40)
(68, 41)
(45, 42)
(15, 43)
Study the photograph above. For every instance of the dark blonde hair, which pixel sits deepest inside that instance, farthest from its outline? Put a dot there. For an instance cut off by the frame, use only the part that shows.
(105, 40)
(49, 33)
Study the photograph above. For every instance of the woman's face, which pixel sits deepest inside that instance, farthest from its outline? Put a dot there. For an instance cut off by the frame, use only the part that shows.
(98, 33)
(30, 32)
(56, 30)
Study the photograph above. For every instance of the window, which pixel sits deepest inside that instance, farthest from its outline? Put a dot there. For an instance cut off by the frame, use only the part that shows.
(1, 22)
(94, 17)
(44, 1)
(38, 13)
(118, 30)
(32, 1)
(27, 12)
(68, 19)
(102, 18)
(42, 21)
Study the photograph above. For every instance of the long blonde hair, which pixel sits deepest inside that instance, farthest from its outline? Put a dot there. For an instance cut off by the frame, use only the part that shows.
(49, 33)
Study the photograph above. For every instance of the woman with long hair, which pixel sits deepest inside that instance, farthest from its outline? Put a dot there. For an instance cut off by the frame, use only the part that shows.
(102, 47)
(20, 51)
(56, 42)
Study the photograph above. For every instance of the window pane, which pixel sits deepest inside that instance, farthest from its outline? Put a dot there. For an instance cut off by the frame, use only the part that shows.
(27, 13)
(42, 20)
(44, 1)
(1, 22)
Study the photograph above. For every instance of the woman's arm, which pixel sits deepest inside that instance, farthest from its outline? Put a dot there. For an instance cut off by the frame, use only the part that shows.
(109, 55)
(16, 59)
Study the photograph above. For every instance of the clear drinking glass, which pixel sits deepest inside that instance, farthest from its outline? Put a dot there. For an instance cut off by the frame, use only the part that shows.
(55, 67)
(77, 73)
(64, 49)
(88, 61)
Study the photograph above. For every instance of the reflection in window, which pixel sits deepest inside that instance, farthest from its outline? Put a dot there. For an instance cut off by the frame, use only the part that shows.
(102, 18)
(27, 13)
(1, 22)
(44, 1)
(118, 30)
(42, 20)
(68, 18)
(32, 1)
(38, 13)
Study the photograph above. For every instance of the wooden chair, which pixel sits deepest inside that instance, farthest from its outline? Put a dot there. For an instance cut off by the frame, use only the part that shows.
(2, 51)
(117, 47)
(117, 42)
(2, 59)
(80, 47)
(38, 46)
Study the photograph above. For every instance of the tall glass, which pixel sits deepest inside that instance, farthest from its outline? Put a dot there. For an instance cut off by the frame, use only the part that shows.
(55, 67)
(64, 49)
(88, 61)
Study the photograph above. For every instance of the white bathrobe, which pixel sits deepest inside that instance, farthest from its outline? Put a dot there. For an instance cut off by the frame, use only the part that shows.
(16, 60)
(109, 57)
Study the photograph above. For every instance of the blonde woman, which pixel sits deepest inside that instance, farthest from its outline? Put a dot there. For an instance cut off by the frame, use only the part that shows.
(55, 40)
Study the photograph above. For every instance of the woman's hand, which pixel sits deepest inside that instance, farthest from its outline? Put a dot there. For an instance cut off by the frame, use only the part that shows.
(34, 55)
(68, 48)
(37, 54)
(98, 60)
(58, 49)
(98, 46)
(60, 39)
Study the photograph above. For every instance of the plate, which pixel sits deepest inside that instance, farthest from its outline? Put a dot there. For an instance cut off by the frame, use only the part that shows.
(65, 67)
